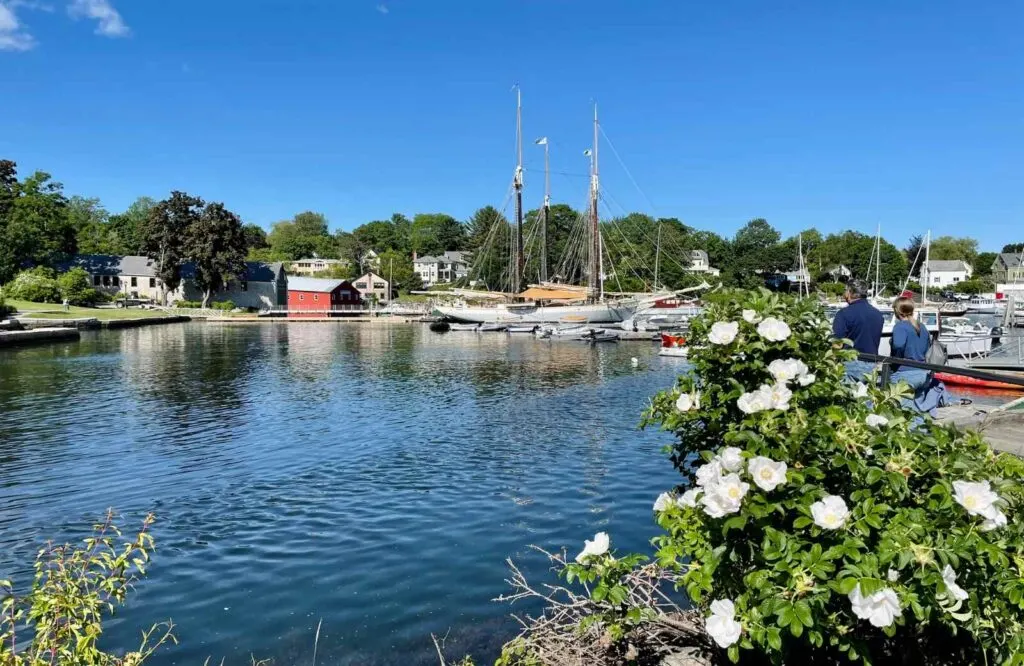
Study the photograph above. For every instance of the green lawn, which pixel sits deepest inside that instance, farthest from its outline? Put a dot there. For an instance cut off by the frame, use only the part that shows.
(56, 311)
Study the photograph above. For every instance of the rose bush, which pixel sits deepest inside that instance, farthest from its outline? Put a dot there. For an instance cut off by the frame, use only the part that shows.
(819, 520)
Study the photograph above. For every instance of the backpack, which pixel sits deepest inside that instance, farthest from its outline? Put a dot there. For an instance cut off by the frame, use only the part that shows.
(937, 354)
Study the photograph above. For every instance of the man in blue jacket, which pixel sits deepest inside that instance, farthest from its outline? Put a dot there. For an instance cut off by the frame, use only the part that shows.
(862, 323)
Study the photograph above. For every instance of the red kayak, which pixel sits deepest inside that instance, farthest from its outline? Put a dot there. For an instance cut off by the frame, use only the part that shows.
(960, 380)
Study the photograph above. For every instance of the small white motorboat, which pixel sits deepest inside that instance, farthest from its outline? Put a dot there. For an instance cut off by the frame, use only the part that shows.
(465, 327)
(492, 327)
(599, 335)
(523, 328)
(677, 352)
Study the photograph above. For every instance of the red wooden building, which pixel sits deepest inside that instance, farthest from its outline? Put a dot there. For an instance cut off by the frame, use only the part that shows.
(320, 297)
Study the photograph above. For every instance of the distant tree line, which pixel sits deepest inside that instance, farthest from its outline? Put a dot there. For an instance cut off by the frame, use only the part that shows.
(39, 224)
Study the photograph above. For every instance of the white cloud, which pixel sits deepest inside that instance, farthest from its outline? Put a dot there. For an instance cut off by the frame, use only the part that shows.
(110, 23)
(12, 36)
(383, 9)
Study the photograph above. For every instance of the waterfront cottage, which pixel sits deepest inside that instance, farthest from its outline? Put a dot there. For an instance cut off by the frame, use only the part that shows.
(699, 263)
(943, 273)
(262, 285)
(373, 287)
(315, 265)
(322, 297)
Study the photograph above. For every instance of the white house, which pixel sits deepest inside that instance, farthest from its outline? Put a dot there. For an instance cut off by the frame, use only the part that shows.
(373, 287)
(944, 273)
(839, 273)
(441, 269)
(261, 286)
(699, 263)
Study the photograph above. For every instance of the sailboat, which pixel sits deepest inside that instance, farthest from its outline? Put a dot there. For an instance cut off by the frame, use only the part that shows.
(548, 303)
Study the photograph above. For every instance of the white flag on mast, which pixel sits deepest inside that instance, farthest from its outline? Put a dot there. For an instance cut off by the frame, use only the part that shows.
(543, 141)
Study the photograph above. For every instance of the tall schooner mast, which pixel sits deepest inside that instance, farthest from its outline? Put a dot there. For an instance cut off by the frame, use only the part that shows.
(518, 263)
(595, 285)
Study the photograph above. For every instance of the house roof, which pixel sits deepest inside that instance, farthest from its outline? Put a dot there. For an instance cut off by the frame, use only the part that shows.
(450, 256)
(324, 285)
(1011, 259)
(106, 264)
(700, 255)
(369, 277)
(947, 266)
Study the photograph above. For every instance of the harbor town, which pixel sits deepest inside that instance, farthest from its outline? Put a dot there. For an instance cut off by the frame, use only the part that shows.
(714, 355)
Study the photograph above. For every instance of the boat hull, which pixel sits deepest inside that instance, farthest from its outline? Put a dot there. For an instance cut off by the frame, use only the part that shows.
(600, 313)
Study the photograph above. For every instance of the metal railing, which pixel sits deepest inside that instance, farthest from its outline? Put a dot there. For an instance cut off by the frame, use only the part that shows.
(887, 362)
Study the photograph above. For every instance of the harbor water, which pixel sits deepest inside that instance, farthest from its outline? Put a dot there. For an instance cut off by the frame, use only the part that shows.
(373, 478)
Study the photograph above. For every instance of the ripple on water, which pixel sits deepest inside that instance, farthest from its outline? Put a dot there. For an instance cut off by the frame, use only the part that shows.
(372, 477)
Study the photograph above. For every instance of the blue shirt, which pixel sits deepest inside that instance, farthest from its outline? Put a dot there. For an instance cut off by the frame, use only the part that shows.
(908, 343)
(861, 322)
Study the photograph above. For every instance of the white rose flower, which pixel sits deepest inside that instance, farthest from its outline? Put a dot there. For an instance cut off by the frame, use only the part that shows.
(687, 401)
(949, 578)
(806, 380)
(689, 498)
(876, 420)
(993, 521)
(751, 403)
(723, 332)
(751, 316)
(731, 459)
(830, 513)
(725, 497)
(787, 370)
(860, 390)
(869, 452)
(881, 608)
(893, 575)
(780, 396)
(774, 330)
(766, 473)
(709, 474)
(597, 547)
(722, 624)
(663, 502)
(978, 498)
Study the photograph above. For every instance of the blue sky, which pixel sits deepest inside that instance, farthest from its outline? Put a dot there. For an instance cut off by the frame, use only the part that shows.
(807, 113)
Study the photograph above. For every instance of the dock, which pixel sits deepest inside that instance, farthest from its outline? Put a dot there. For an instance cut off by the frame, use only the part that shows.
(38, 335)
(1002, 427)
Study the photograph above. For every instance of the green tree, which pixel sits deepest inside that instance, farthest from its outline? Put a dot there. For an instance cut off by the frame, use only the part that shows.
(488, 239)
(34, 226)
(914, 252)
(1013, 248)
(983, 267)
(436, 233)
(719, 249)
(397, 268)
(165, 236)
(255, 237)
(76, 287)
(949, 247)
(216, 243)
(37, 285)
(89, 219)
(127, 229)
(378, 235)
(350, 247)
(301, 237)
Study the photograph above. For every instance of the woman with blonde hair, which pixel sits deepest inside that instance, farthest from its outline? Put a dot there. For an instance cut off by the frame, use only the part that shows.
(910, 340)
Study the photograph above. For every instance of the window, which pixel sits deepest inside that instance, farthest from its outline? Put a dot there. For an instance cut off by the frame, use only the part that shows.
(378, 285)
(95, 280)
(937, 280)
(360, 285)
(956, 279)
(316, 297)
(152, 283)
(106, 280)
(135, 281)
(301, 297)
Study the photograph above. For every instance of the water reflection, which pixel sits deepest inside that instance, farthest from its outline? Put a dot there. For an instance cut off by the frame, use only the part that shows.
(372, 476)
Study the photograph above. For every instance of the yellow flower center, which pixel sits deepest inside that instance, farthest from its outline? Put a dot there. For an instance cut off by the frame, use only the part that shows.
(970, 501)
(734, 492)
(766, 474)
